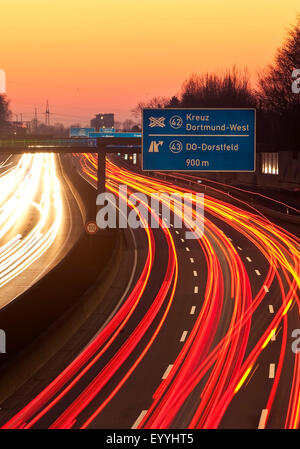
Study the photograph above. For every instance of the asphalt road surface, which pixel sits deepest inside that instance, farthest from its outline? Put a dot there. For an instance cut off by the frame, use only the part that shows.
(40, 220)
(203, 336)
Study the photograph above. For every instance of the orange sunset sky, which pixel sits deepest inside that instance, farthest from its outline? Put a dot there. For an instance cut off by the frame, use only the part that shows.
(106, 55)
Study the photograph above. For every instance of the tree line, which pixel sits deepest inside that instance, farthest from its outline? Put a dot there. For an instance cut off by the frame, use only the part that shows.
(276, 103)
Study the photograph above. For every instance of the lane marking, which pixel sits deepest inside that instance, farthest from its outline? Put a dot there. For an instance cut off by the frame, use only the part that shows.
(273, 338)
(271, 308)
(166, 373)
(182, 240)
(272, 371)
(241, 249)
(139, 419)
(192, 310)
(183, 336)
(266, 289)
(263, 418)
(192, 260)
(249, 259)
(177, 232)
(187, 249)
(196, 289)
(257, 272)
(195, 273)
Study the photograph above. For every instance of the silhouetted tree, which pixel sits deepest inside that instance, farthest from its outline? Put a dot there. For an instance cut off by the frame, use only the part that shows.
(275, 93)
(174, 102)
(118, 125)
(155, 102)
(56, 130)
(275, 83)
(127, 125)
(136, 129)
(130, 126)
(5, 115)
(229, 89)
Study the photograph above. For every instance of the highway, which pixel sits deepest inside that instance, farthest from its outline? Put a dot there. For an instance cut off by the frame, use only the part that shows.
(202, 339)
(40, 220)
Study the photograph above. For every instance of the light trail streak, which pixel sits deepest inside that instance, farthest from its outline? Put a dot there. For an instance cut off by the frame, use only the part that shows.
(20, 198)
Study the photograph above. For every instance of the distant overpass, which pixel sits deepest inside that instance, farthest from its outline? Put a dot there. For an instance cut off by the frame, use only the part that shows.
(100, 145)
(19, 146)
(71, 145)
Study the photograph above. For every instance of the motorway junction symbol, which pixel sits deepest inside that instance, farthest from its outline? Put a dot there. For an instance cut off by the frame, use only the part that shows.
(198, 140)
(154, 146)
(157, 121)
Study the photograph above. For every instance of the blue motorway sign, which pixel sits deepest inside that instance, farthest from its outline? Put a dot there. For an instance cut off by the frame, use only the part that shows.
(106, 130)
(198, 139)
(80, 132)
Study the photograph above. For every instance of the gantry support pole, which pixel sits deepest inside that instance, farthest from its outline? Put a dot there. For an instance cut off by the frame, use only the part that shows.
(101, 170)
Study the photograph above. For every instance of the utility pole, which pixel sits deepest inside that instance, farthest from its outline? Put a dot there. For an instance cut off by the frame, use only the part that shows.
(35, 120)
(101, 171)
(47, 114)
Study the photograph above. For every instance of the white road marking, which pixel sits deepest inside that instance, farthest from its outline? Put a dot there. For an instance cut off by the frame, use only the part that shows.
(249, 259)
(257, 272)
(195, 273)
(241, 249)
(182, 240)
(177, 232)
(183, 336)
(166, 373)
(192, 260)
(271, 308)
(196, 289)
(273, 338)
(193, 310)
(266, 289)
(272, 371)
(263, 418)
(139, 419)
(187, 249)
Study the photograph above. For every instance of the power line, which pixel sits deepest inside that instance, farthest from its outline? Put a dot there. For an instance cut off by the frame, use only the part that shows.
(47, 114)
(35, 120)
